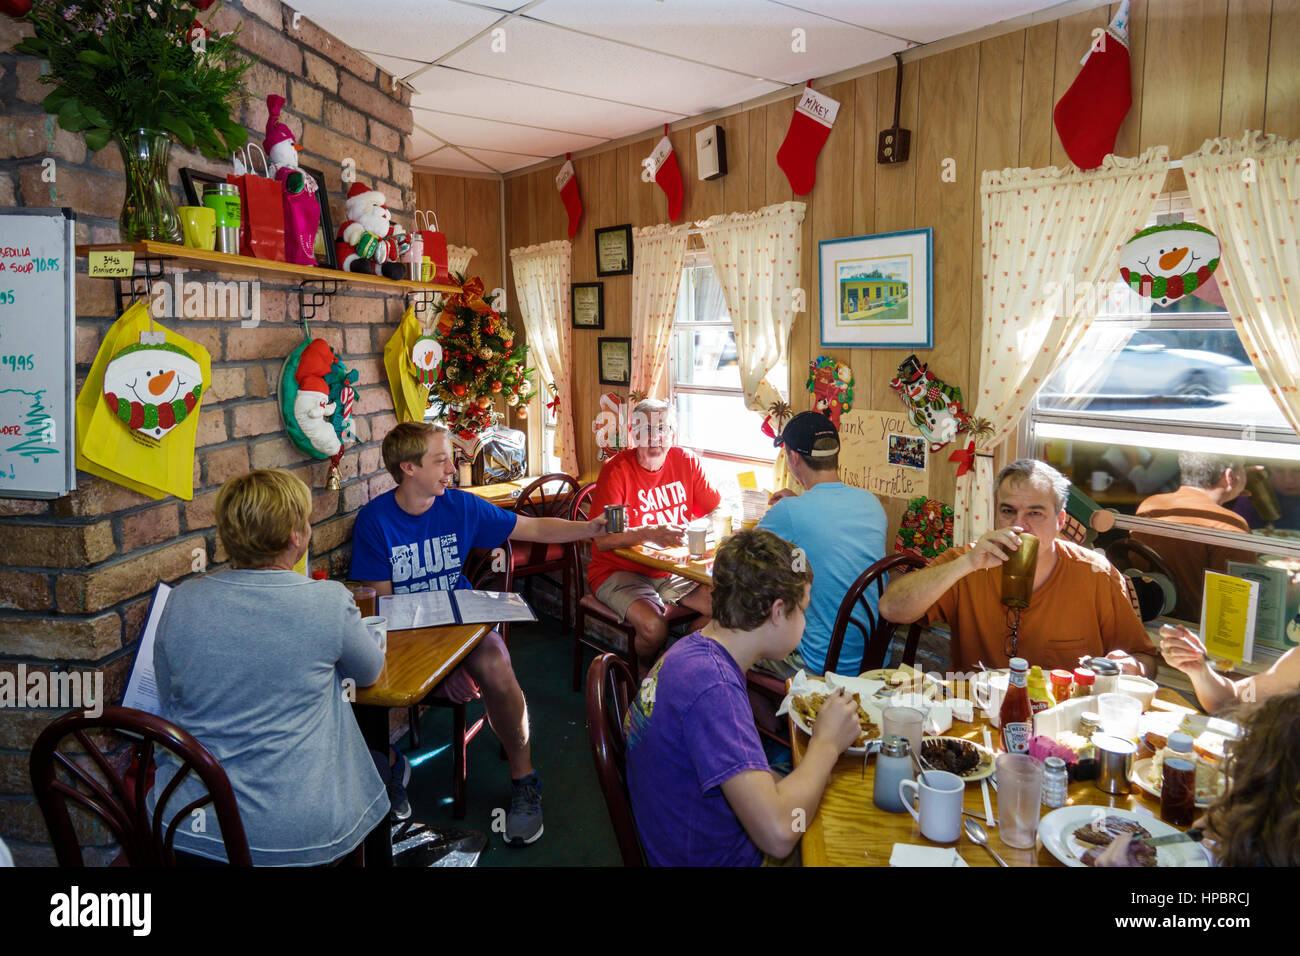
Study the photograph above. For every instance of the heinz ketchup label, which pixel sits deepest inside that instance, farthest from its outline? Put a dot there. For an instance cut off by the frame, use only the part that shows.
(1015, 737)
(1016, 715)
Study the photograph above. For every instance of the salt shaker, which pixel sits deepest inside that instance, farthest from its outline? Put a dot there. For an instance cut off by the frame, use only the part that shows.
(1056, 782)
(1107, 672)
(893, 766)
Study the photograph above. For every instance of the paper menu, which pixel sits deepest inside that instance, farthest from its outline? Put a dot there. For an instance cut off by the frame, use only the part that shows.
(142, 686)
(1228, 609)
(443, 608)
(753, 503)
(1271, 617)
(487, 607)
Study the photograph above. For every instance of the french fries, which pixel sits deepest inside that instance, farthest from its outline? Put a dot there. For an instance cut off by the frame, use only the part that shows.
(807, 706)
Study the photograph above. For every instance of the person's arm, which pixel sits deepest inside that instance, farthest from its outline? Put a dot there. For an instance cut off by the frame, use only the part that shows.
(556, 530)
(381, 587)
(775, 812)
(910, 595)
(360, 657)
(663, 535)
(1182, 649)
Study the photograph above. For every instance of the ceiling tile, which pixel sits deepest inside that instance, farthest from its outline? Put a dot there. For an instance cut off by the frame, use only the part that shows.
(502, 162)
(760, 37)
(416, 29)
(422, 141)
(920, 20)
(486, 134)
(546, 55)
(453, 161)
(397, 66)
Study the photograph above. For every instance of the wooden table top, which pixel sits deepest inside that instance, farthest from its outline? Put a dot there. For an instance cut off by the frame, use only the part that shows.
(676, 560)
(417, 661)
(849, 830)
(504, 494)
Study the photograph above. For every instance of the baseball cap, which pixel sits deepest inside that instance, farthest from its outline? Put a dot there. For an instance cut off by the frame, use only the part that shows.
(806, 430)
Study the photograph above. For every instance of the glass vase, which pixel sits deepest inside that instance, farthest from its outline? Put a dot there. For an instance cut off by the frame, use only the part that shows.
(148, 211)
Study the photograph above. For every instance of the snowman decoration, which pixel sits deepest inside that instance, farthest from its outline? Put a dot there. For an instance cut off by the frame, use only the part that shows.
(426, 356)
(933, 406)
(301, 204)
(369, 241)
(1165, 263)
(152, 387)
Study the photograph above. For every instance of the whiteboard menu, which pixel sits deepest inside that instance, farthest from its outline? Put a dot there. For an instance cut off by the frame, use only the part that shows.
(37, 329)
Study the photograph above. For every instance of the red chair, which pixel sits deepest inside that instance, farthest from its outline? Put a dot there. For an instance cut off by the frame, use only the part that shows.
(609, 693)
(877, 635)
(117, 794)
(550, 496)
(590, 606)
(479, 570)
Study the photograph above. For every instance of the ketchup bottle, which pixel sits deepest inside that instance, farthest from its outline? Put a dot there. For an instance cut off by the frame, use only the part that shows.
(1016, 716)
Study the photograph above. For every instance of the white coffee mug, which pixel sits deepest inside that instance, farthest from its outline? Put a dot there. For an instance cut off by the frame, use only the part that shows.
(941, 796)
(378, 628)
(1101, 480)
(697, 538)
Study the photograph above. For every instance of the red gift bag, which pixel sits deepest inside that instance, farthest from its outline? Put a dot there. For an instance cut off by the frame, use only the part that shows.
(261, 201)
(435, 246)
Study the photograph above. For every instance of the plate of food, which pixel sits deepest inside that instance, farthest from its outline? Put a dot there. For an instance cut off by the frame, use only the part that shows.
(965, 758)
(804, 707)
(1077, 836)
(1148, 775)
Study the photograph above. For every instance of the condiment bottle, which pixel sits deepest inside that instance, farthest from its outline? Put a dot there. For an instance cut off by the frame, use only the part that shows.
(1107, 672)
(893, 766)
(1062, 682)
(1089, 721)
(1016, 715)
(320, 575)
(1084, 678)
(1178, 785)
(1056, 782)
(1039, 701)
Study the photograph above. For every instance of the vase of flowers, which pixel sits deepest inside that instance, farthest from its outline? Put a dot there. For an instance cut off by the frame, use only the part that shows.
(140, 74)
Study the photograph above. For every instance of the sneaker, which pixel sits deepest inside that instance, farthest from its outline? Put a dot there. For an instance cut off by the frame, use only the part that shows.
(399, 777)
(524, 821)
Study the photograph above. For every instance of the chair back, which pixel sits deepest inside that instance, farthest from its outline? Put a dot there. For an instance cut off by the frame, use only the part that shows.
(117, 793)
(1121, 553)
(484, 568)
(609, 693)
(550, 496)
(581, 511)
(878, 633)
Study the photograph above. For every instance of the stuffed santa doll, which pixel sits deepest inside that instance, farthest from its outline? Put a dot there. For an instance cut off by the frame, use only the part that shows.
(312, 408)
(369, 241)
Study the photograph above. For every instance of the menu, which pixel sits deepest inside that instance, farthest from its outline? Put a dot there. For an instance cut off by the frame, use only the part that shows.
(142, 685)
(1228, 609)
(440, 608)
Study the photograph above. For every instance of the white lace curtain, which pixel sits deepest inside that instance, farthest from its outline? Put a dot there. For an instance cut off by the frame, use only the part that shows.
(757, 257)
(1044, 230)
(1248, 193)
(542, 289)
(657, 256)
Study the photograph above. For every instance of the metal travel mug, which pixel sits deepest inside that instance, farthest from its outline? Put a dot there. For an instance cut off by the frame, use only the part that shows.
(615, 519)
(1114, 763)
(223, 198)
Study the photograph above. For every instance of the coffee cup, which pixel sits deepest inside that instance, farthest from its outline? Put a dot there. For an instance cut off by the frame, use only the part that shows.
(697, 539)
(199, 224)
(941, 794)
(378, 628)
(1101, 480)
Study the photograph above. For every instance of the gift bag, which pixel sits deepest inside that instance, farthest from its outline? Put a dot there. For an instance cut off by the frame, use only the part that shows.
(261, 209)
(435, 247)
(138, 411)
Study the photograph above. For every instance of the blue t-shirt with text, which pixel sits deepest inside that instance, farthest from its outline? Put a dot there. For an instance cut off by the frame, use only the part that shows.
(425, 552)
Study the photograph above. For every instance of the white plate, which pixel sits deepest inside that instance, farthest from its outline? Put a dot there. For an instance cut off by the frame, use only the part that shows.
(1138, 775)
(1056, 830)
(821, 687)
(987, 762)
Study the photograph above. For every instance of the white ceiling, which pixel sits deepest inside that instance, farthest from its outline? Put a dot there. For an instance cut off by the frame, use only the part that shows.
(499, 85)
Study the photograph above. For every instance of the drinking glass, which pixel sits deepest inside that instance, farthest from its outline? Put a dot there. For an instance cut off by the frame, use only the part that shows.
(1020, 797)
(1119, 714)
(364, 598)
(1018, 572)
(905, 722)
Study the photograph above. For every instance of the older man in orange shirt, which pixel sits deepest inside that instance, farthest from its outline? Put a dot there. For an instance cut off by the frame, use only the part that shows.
(1080, 605)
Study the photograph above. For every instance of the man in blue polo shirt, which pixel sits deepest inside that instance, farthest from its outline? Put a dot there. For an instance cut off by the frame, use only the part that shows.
(839, 529)
(416, 538)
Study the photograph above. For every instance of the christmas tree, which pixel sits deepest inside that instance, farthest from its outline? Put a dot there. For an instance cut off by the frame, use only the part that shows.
(481, 361)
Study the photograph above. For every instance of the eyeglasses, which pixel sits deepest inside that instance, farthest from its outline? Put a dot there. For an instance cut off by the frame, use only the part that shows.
(1012, 641)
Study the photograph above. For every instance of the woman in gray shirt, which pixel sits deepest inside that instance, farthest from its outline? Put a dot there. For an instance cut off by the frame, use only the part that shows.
(252, 661)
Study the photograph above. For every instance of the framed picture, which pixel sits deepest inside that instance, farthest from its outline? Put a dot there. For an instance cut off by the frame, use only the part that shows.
(614, 251)
(194, 180)
(877, 291)
(615, 361)
(587, 305)
(324, 250)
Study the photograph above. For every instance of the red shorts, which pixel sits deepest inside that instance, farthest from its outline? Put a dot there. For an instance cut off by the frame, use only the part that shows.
(459, 686)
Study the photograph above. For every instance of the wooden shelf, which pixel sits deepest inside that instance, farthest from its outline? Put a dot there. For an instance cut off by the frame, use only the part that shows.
(218, 261)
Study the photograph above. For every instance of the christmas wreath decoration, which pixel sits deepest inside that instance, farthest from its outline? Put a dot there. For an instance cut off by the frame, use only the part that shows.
(925, 529)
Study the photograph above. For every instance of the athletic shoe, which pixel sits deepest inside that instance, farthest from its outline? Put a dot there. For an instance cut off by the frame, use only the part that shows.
(524, 821)
(399, 777)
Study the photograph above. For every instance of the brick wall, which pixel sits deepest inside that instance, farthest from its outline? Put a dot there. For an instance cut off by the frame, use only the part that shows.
(76, 574)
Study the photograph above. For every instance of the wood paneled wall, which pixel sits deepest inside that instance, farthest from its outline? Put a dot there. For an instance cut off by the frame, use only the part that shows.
(1201, 68)
(469, 213)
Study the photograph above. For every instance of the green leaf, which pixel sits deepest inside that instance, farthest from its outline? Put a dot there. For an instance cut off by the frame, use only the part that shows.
(95, 58)
(56, 99)
(70, 117)
(178, 127)
(33, 46)
(93, 116)
(97, 139)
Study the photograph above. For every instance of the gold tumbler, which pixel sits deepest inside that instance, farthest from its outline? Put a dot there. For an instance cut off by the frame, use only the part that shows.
(1018, 572)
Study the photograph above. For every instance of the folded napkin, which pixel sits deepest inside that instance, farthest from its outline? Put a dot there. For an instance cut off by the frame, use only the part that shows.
(907, 854)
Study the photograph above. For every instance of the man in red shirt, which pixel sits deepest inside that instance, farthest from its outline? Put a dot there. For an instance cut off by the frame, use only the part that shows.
(662, 488)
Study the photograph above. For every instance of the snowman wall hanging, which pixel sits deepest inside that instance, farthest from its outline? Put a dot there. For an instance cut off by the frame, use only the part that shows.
(153, 386)
(1165, 263)
(316, 397)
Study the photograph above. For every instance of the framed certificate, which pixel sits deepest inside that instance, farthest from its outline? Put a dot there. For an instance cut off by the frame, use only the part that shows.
(615, 361)
(614, 251)
(587, 303)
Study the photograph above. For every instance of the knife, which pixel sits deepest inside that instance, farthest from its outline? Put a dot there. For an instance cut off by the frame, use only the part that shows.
(1191, 836)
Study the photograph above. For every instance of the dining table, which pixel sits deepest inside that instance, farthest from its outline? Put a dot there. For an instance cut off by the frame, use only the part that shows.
(503, 494)
(416, 661)
(676, 560)
(849, 830)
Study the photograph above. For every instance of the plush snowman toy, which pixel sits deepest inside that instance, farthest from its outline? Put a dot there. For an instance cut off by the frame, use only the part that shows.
(152, 388)
(369, 241)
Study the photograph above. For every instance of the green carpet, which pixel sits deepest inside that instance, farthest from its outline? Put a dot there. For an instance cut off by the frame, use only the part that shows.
(577, 828)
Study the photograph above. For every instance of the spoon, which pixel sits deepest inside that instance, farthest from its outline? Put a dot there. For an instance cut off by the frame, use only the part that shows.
(979, 836)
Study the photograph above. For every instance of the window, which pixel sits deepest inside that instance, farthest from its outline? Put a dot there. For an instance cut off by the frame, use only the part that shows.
(550, 461)
(712, 417)
(1150, 388)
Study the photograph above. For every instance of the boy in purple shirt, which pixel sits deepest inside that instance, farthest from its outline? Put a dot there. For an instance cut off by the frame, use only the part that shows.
(702, 793)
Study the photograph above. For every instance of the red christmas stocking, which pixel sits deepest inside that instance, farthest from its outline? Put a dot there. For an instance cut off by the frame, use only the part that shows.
(1088, 115)
(661, 166)
(567, 184)
(809, 127)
